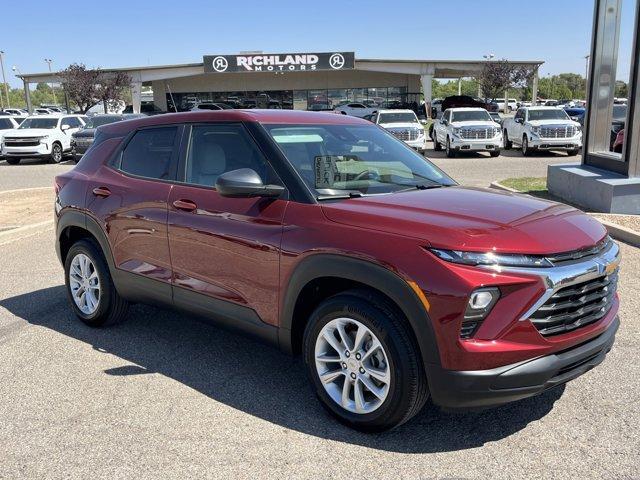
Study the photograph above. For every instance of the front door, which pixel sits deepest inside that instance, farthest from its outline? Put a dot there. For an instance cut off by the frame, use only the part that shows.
(225, 252)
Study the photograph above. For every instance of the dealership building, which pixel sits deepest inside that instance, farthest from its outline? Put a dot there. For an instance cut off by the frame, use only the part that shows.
(304, 81)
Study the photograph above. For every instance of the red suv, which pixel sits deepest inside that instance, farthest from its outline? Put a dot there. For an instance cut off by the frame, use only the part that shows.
(325, 235)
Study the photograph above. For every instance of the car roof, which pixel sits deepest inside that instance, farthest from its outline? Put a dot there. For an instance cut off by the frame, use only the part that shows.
(544, 107)
(49, 115)
(284, 117)
(466, 109)
(396, 110)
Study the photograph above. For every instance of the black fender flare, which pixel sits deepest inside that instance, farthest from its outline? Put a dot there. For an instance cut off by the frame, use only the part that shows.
(368, 273)
(75, 218)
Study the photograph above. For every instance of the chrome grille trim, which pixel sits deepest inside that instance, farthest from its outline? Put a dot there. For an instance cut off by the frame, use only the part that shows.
(557, 131)
(477, 133)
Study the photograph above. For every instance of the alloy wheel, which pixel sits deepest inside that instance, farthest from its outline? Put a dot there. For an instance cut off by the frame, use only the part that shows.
(525, 145)
(84, 284)
(352, 365)
(57, 153)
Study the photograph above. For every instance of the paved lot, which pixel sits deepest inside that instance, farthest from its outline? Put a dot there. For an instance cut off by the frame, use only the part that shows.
(30, 173)
(163, 396)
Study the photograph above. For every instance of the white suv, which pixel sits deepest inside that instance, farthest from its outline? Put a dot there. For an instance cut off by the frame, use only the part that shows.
(46, 136)
(467, 130)
(404, 125)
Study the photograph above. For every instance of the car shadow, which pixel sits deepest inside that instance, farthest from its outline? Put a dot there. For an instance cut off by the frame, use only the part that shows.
(67, 160)
(258, 379)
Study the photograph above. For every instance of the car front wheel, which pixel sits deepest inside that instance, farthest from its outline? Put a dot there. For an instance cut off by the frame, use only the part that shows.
(56, 153)
(363, 362)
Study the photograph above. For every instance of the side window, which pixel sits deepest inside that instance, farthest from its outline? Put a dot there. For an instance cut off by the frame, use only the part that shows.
(73, 122)
(65, 121)
(216, 149)
(151, 153)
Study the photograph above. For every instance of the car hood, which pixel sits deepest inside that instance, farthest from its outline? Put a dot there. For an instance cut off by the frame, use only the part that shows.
(31, 132)
(474, 123)
(474, 219)
(84, 133)
(537, 123)
(393, 126)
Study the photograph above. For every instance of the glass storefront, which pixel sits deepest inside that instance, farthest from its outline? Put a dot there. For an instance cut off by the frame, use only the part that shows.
(317, 100)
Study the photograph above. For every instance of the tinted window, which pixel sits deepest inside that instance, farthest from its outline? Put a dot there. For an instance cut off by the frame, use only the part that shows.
(150, 153)
(5, 123)
(35, 122)
(216, 149)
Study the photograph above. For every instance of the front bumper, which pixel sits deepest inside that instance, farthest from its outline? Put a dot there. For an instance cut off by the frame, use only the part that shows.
(420, 144)
(486, 388)
(485, 145)
(541, 143)
(41, 150)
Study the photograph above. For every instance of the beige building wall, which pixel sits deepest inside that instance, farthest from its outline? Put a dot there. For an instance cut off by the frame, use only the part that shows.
(230, 82)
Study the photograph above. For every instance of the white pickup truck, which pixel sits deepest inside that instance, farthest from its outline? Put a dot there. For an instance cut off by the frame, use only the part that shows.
(542, 128)
(403, 124)
(466, 130)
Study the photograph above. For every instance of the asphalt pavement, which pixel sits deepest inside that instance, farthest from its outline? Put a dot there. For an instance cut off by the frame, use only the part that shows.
(165, 396)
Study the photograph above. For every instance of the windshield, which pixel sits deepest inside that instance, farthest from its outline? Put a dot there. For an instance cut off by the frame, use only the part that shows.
(401, 117)
(39, 123)
(95, 122)
(470, 116)
(339, 160)
(551, 114)
(620, 112)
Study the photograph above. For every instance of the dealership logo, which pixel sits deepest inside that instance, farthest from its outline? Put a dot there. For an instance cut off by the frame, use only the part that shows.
(280, 62)
(220, 64)
(336, 61)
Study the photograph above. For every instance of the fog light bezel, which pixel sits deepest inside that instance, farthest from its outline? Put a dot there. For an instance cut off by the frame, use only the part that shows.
(473, 317)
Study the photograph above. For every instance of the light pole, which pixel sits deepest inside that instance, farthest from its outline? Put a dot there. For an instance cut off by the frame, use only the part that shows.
(586, 76)
(49, 61)
(4, 80)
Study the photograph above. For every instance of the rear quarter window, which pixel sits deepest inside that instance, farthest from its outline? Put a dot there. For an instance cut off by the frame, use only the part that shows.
(151, 153)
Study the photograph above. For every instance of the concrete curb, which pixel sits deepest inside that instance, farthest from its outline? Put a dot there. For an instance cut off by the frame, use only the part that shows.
(498, 186)
(8, 236)
(616, 231)
(26, 190)
(622, 233)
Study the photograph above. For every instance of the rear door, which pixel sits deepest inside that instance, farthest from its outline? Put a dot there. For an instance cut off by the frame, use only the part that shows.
(129, 198)
(225, 252)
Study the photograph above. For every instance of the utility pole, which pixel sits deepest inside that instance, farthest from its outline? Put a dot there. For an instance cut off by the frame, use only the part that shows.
(4, 80)
(53, 92)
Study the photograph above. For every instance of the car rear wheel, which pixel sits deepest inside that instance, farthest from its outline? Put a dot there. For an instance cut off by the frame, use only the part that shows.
(90, 289)
(572, 153)
(363, 362)
(12, 161)
(436, 144)
(450, 151)
(56, 153)
(494, 153)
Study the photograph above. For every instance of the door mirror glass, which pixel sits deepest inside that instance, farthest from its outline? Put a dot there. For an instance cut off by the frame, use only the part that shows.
(245, 183)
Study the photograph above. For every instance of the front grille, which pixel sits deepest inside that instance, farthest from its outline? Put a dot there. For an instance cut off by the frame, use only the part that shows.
(576, 305)
(476, 133)
(406, 135)
(21, 141)
(557, 131)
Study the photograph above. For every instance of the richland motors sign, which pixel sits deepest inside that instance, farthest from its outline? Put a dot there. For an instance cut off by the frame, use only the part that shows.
(280, 62)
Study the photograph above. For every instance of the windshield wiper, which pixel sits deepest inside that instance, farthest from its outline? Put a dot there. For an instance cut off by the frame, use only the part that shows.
(340, 196)
(422, 186)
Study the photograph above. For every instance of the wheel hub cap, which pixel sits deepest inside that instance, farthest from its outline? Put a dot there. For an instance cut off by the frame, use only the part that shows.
(352, 365)
(84, 284)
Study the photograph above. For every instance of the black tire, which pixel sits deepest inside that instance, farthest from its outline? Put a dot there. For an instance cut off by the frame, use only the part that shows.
(506, 143)
(573, 153)
(451, 153)
(112, 308)
(436, 145)
(13, 161)
(526, 151)
(494, 153)
(408, 390)
(57, 153)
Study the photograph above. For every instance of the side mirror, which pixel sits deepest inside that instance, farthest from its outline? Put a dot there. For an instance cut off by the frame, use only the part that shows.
(423, 122)
(445, 122)
(518, 120)
(245, 183)
(64, 127)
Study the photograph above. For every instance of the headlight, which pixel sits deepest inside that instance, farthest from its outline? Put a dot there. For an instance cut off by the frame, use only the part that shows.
(491, 258)
(44, 139)
(457, 130)
(535, 129)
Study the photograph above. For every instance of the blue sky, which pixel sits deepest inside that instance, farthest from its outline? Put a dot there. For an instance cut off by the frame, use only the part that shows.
(181, 31)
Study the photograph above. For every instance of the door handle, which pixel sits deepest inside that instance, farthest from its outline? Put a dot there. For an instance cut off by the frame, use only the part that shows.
(186, 205)
(103, 192)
